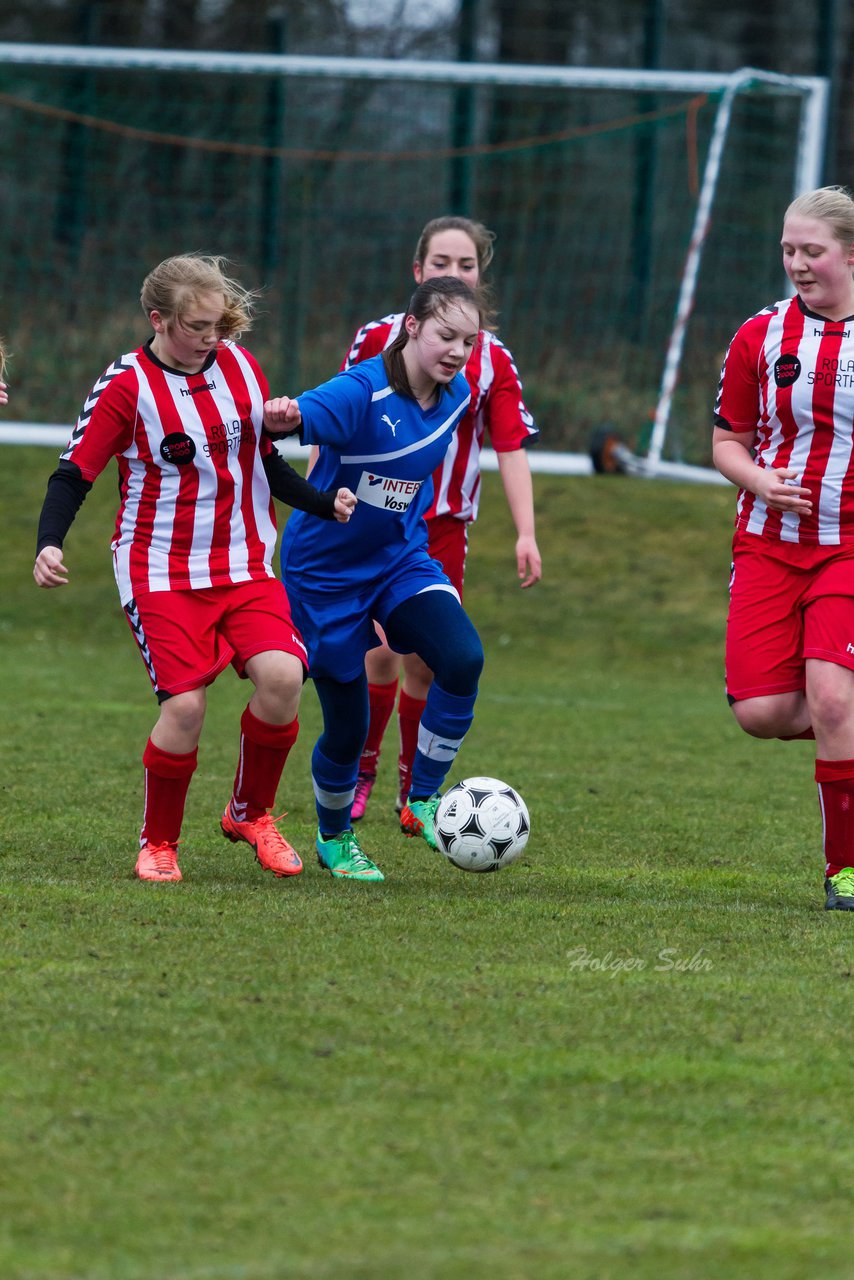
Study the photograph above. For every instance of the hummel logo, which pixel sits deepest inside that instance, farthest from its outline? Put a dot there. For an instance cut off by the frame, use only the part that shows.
(386, 418)
(850, 649)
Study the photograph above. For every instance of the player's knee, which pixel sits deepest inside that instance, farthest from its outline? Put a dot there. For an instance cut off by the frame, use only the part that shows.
(761, 719)
(185, 712)
(830, 708)
(462, 666)
(279, 685)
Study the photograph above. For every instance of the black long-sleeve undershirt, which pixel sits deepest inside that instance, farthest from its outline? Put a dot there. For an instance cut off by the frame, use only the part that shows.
(289, 486)
(67, 489)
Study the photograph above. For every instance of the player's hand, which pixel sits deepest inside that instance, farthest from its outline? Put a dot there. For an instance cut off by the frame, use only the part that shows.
(4, 393)
(529, 565)
(780, 491)
(281, 415)
(49, 569)
(345, 505)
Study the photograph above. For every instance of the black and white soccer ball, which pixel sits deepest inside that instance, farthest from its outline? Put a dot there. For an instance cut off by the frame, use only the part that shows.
(482, 824)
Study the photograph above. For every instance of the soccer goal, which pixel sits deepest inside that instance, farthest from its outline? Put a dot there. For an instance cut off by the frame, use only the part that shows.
(636, 216)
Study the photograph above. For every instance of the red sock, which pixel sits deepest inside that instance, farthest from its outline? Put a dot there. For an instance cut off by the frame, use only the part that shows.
(167, 781)
(264, 748)
(409, 712)
(835, 780)
(381, 698)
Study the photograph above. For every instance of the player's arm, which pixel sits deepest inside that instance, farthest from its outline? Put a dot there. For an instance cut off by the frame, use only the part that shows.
(66, 491)
(732, 454)
(515, 474)
(736, 415)
(511, 428)
(289, 486)
(104, 429)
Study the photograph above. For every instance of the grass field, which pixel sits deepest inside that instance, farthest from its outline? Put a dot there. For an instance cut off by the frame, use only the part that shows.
(626, 1056)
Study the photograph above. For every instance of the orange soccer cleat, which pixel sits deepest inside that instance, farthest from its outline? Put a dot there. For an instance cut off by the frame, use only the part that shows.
(271, 848)
(158, 862)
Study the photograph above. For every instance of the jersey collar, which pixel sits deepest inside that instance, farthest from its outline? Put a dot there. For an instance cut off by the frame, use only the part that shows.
(181, 373)
(816, 315)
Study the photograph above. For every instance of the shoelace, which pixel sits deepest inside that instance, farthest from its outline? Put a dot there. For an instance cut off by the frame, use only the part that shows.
(357, 853)
(426, 807)
(164, 856)
(269, 824)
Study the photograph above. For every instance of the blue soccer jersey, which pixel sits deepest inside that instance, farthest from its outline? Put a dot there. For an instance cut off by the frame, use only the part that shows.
(385, 448)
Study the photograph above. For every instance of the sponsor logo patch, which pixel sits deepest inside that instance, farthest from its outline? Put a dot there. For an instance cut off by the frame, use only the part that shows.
(386, 492)
(787, 369)
(178, 448)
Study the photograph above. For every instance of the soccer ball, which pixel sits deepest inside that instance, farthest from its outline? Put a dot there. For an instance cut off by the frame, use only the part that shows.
(482, 824)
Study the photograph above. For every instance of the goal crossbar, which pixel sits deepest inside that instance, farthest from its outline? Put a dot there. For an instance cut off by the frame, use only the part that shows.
(285, 64)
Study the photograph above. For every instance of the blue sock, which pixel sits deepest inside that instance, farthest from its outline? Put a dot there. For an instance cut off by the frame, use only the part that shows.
(446, 721)
(334, 791)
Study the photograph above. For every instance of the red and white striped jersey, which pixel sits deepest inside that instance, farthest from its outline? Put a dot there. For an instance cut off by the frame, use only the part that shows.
(496, 406)
(788, 375)
(195, 507)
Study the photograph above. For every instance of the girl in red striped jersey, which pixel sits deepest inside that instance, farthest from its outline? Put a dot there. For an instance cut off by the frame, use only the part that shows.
(183, 415)
(452, 246)
(784, 433)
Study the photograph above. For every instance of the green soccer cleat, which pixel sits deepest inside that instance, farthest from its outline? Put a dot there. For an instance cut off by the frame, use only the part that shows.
(419, 819)
(342, 856)
(840, 890)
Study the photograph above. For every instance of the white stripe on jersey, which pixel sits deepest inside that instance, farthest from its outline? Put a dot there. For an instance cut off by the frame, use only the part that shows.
(239, 546)
(375, 458)
(773, 340)
(164, 518)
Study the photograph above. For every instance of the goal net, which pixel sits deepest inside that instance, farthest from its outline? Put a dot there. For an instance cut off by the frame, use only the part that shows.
(315, 176)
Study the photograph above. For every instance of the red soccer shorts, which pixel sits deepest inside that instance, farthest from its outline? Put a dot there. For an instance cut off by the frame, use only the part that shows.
(186, 638)
(788, 602)
(447, 542)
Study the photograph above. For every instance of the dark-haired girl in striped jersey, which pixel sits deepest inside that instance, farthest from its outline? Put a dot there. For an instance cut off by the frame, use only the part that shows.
(183, 415)
(784, 433)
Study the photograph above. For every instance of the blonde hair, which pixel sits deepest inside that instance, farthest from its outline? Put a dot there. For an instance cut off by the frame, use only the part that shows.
(833, 205)
(182, 280)
(481, 237)
(3, 357)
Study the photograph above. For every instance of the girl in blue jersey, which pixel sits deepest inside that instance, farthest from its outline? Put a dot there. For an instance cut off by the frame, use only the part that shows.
(382, 428)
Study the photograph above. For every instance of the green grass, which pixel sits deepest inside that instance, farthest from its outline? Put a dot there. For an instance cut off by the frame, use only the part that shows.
(626, 1056)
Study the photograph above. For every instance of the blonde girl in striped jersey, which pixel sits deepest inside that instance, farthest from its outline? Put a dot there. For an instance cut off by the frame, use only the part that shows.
(784, 433)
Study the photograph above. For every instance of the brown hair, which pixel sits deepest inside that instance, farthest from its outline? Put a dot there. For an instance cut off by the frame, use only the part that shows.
(183, 279)
(433, 297)
(481, 236)
(833, 205)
